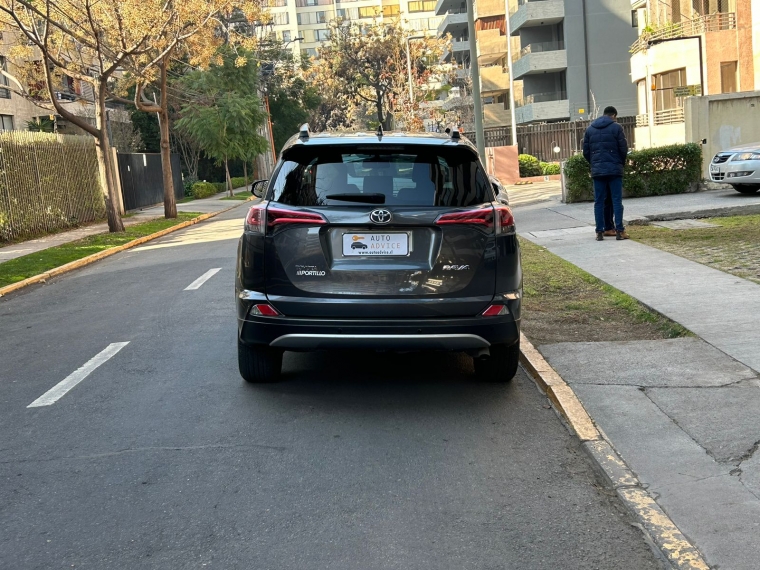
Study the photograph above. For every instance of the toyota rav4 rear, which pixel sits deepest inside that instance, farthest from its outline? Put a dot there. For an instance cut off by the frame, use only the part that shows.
(385, 242)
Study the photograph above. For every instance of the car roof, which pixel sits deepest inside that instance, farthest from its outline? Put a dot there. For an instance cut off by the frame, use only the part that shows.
(391, 138)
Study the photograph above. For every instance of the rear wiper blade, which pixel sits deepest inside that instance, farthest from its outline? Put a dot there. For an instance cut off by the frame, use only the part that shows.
(365, 198)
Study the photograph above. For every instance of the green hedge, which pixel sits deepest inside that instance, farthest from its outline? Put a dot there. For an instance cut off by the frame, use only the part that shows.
(673, 169)
(529, 166)
(549, 168)
(204, 190)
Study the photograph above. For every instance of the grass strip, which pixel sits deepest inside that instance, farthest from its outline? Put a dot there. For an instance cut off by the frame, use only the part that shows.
(33, 264)
(563, 303)
(732, 246)
(244, 195)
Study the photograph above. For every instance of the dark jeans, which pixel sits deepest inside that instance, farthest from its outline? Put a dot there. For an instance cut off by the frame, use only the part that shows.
(613, 185)
(609, 223)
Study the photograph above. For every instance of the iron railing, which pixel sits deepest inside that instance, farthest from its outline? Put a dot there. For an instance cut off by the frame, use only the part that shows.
(642, 120)
(669, 116)
(541, 98)
(694, 27)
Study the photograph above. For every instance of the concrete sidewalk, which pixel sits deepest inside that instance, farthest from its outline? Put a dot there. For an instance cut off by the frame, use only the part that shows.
(682, 413)
(205, 206)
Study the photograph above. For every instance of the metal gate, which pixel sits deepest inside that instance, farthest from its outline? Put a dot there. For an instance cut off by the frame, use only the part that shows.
(142, 180)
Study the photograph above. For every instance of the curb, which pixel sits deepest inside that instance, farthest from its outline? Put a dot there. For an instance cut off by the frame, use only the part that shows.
(673, 546)
(76, 264)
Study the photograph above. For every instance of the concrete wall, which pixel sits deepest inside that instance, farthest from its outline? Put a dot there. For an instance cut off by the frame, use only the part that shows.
(485, 8)
(660, 135)
(755, 6)
(724, 120)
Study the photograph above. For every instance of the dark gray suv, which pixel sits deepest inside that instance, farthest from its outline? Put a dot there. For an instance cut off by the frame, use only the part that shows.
(387, 242)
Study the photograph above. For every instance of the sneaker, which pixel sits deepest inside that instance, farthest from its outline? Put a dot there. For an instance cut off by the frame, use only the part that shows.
(599, 236)
(610, 233)
(622, 235)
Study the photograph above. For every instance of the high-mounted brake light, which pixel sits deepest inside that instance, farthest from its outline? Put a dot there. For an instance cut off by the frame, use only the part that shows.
(496, 311)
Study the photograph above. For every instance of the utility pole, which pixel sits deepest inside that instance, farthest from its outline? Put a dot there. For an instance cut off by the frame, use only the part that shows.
(476, 101)
(511, 78)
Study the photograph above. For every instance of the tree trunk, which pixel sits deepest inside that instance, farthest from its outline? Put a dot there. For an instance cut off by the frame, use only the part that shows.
(227, 173)
(105, 163)
(170, 203)
(245, 173)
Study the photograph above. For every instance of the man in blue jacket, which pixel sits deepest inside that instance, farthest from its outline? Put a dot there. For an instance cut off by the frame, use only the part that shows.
(606, 149)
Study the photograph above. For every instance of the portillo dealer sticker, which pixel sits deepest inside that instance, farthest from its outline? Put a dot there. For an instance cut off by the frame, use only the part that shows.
(388, 244)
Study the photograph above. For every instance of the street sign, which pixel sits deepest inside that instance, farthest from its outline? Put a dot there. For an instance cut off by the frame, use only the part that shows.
(687, 91)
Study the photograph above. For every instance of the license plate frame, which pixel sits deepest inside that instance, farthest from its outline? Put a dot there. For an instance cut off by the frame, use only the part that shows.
(376, 244)
(714, 169)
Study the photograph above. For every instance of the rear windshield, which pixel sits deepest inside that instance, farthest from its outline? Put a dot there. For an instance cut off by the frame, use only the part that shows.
(403, 176)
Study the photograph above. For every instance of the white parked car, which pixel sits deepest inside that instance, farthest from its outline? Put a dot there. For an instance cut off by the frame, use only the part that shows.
(739, 167)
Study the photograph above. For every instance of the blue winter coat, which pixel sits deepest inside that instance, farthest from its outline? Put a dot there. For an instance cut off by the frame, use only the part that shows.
(605, 147)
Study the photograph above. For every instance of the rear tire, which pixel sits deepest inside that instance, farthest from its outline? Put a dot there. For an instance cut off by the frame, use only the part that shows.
(501, 366)
(747, 188)
(259, 364)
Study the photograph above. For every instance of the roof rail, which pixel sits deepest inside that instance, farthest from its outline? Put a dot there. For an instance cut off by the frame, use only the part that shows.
(455, 136)
(303, 134)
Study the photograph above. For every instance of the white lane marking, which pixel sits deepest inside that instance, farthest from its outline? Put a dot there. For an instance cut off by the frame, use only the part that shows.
(59, 390)
(202, 279)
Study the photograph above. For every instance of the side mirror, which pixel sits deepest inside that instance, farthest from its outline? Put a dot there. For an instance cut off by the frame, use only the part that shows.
(258, 187)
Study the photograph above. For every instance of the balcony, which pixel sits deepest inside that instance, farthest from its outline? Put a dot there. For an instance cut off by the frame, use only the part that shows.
(492, 46)
(544, 57)
(453, 22)
(495, 115)
(488, 8)
(493, 79)
(697, 26)
(457, 47)
(551, 106)
(536, 13)
(444, 6)
(669, 117)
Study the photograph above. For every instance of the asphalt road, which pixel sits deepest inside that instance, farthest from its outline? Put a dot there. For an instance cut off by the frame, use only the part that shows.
(162, 457)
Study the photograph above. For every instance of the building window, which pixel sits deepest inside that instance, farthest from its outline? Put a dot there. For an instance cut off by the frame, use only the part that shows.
(6, 122)
(322, 35)
(635, 18)
(4, 93)
(369, 12)
(391, 10)
(729, 77)
(307, 53)
(664, 98)
(281, 19)
(424, 6)
(275, 3)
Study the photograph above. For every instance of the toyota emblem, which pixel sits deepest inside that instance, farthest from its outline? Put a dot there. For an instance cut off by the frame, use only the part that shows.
(380, 216)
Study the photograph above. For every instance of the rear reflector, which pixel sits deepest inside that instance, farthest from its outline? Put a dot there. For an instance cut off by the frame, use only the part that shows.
(264, 310)
(496, 311)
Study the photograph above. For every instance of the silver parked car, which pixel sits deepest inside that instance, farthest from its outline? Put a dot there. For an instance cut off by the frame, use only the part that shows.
(739, 167)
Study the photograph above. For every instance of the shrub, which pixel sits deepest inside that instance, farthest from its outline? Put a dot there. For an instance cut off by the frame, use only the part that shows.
(203, 190)
(239, 181)
(529, 166)
(673, 169)
(549, 168)
(188, 183)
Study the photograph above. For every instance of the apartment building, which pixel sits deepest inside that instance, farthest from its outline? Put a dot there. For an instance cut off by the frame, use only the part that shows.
(689, 48)
(572, 58)
(490, 30)
(309, 19)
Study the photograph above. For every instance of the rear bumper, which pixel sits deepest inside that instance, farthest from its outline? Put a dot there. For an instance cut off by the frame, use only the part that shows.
(459, 334)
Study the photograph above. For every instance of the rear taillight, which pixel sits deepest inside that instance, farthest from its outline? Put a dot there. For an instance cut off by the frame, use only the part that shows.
(277, 217)
(482, 217)
(255, 221)
(496, 311)
(505, 221)
(259, 218)
(264, 310)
